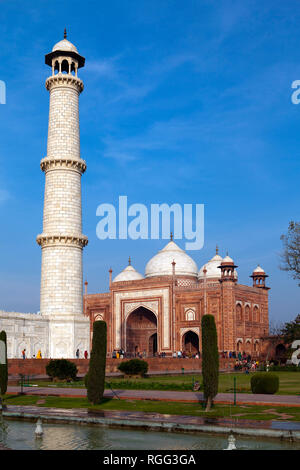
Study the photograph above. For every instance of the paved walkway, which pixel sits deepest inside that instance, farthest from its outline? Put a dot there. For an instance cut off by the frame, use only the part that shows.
(189, 397)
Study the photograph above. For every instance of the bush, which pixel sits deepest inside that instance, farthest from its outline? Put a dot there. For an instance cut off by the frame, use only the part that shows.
(286, 368)
(61, 369)
(95, 378)
(264, 382)
(134, 367)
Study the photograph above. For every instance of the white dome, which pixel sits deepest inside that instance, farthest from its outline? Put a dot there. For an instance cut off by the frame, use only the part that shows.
(64, 45)
(161, 263)
(212, 268)
(227, 259)
(128, 274)
(259, 269)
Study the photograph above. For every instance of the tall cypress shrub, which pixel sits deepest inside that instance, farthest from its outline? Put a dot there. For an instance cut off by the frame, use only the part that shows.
(96, 373)
(210, 359)
(3, 367)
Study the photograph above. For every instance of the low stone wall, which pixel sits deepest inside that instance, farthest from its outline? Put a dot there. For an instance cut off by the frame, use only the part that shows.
(167, 364)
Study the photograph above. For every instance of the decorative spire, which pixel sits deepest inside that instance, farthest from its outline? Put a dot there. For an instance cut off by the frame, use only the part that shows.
(129, 261)
(171, 236)
(217, 250)
(65, 33)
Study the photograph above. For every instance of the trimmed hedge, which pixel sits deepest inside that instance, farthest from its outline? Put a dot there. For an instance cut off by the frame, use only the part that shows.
(134, 367)
(61, 369)
(264, 382)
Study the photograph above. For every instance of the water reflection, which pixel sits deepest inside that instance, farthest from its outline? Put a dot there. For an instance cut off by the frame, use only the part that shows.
(20, 435)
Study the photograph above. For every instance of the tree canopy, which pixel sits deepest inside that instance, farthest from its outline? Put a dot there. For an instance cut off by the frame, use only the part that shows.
(290, 256)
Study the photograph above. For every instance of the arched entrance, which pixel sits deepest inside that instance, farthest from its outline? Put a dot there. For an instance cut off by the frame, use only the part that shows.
(141, 332)
(190, 342)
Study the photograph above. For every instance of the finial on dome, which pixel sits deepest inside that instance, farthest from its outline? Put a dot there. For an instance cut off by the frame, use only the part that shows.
(65, 33)
(129, 261)
(217, 250)
(171, 236)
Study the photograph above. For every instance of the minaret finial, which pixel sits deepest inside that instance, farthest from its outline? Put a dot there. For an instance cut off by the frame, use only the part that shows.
(217, 250)
(171, 236)
(65, 33)
(129, 261)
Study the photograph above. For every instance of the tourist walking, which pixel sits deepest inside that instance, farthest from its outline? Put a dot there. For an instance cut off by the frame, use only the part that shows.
(24, 353)
(85, 354)
(77, 353)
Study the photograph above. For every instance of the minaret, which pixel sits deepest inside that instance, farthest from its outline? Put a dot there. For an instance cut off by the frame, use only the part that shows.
(62, 240)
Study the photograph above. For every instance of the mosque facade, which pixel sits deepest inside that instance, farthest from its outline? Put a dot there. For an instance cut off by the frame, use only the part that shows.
(160, 313)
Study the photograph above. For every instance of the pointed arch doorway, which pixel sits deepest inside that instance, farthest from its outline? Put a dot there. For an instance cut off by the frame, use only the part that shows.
(141, 332)
(190, 342)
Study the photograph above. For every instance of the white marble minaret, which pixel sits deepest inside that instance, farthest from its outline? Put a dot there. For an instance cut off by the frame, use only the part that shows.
(62, 240)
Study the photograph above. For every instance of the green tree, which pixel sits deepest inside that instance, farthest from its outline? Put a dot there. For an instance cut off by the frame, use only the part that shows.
(96, 373)
(210, 359)
(290, 256)
(291, 330)
(3, 364)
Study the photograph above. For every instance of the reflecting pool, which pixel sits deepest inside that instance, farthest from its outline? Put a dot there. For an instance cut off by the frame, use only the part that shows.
(20, 435)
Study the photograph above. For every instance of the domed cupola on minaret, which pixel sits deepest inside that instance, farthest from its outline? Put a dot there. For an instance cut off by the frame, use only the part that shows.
(64, 58)
(228, 269)
(259, 277)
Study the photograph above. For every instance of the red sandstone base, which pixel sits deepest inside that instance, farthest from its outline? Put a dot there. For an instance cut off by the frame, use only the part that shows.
(167, 364)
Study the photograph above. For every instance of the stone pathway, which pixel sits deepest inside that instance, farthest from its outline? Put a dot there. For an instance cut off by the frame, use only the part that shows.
(188, 397)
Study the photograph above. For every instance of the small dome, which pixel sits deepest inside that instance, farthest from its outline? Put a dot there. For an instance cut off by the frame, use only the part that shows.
(128, 274)
(212, 269)
(227, 259)
(161, 263)
(64, 45)
(258, 269)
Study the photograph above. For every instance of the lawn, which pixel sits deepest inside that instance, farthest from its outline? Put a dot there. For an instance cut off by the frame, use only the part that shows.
(169, 408)
(289, 383)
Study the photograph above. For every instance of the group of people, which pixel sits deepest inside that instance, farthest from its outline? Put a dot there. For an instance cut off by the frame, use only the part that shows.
(38, 356)
(119, 354)
(85, 354)
(184, 355)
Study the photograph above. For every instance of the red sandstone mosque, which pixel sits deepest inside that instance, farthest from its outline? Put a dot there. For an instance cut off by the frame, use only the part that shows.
(160, 314)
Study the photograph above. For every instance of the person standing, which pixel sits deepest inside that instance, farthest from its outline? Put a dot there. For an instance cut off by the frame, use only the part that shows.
(77, 353)
(24, 353)
(85, 354)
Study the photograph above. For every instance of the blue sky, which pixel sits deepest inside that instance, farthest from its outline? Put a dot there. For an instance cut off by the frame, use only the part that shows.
(186, 102)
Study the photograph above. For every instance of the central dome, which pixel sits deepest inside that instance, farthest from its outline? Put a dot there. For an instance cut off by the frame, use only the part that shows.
(161, 263)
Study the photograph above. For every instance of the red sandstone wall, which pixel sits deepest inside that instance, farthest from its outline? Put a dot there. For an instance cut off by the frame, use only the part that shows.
(38, 366)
